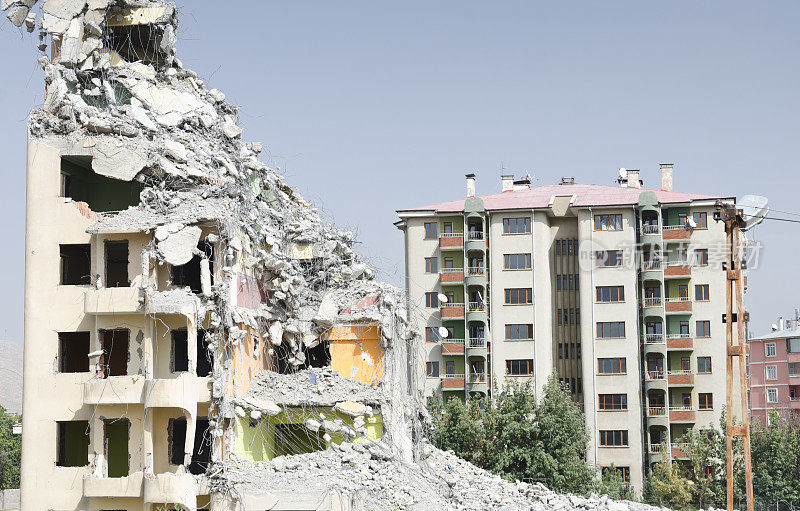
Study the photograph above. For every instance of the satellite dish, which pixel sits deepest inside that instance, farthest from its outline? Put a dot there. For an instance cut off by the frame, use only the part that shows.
(442, 298)
(623, 172)
(443, 332)
(754, 209)
(774, 327)
(691, 223)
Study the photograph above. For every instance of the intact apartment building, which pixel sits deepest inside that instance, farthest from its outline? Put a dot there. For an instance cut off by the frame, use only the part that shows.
(618, 290)
(774, 372)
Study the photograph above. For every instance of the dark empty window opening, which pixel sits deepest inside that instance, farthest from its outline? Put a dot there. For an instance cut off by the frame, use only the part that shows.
(180, 351)
(189, 273)
(72, 443)
(205, 359)
(76, 265)
(116, 433)
(117, 264)
(136, 42)
(73, 352)
(114, 360)
(318, 356)
(201, 455)
(102, 194)
(291, 439)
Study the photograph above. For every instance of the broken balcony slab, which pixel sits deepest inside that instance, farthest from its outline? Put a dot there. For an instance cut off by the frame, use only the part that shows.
(114, 390)
(114, 487)
(113, 300)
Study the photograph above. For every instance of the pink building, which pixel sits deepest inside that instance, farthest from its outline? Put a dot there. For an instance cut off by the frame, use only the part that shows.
(774, 368)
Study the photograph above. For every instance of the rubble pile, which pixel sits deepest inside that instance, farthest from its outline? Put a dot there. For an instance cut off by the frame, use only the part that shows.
(375, 479)
(314, 386)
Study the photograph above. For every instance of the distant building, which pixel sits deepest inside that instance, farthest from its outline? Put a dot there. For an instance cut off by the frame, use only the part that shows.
(619, 290)
(774, 370)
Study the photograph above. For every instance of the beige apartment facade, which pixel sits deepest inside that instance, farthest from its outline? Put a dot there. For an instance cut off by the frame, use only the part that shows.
(617, 289)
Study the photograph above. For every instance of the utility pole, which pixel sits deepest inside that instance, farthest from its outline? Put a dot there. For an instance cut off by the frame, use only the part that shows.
(735, 314)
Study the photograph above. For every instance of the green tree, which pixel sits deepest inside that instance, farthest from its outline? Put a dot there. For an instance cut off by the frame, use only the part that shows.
(614, 485)
(512, 433)
(667, 485)
(10, 449)
(776, 460)
(706, 452)
(457, 427)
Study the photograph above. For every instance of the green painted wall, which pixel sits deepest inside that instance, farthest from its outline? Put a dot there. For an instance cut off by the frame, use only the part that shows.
(674, 360)
(458, 223)
(458, 292)
(673, 286)
(670, 215)
(674, 323)
(258, 442)
(458, 361)
(458, 258)
(117, 433)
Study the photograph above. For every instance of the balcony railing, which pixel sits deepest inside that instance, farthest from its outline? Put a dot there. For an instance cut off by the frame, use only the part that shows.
(453, 376)
(475, 235)
(657, 411)
(674, 299)
(477, 342)
(679, 336)
(655, 448)
(450, 305)
(477, 306)
(652, 264)
(677, 372)
(477, 377)
(451, 270)
(451, 235)
(676, 227)
(655, 375)
(654, 338)
(652, 301)
(476, 271)
(651, 229)
(681, 408)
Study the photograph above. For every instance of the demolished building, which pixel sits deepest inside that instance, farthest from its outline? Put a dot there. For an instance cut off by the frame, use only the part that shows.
(195, 336)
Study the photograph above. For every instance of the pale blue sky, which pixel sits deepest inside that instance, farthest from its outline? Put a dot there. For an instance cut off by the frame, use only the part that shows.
(370, 107)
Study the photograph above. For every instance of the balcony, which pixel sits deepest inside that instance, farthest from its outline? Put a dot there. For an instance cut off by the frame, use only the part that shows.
(115, 390)
(681, 413)
(114, 487)
(651, 229)
(113, 300)
(680, 342)
(676, 232)
(476, 240)
(657, 411)
(451, 241)
(653, 338)
(654, 375)
(652, 301)
(655, 449)
(477, 342)
(681, 377)
(678, 304)
(451, 276)
(677, 269)
(453, 382)
(178, 489)
(653, 264)
(453, 347)
(477, 307)
(452, 310)
(183, 392)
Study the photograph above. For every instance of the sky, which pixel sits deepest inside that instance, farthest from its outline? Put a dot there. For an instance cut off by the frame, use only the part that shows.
(369, 107)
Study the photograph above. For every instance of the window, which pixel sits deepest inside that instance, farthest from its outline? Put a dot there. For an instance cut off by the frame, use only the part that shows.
(116, 264)
(523, 367)
(793, 345)
(772, 395)
(76, 265)
(705, 401)
(205, 357)
(682, 219)
(653, 328)
(606, 294)
(611, 366)
(770, 349)
(794, 368)
(201, 453)
(701, 220)
(517, 225)
(611, 330)
(684, 328)
(448, 263)
(73, 352)
(701, 292)
(608, 258)
(520, 295)
(447, 227)
(703, 328)
(431, 334)
(190, 274)
(102, 194)
(612, 401)
(72, 438)
(772, 372)
(517, 261)
(116, 437)
(624, 472)
(431, 230)
(703, 365)
(520, 332)
(431, 265)
(432, 369)
(701, 257)
(114, 360)
(180, 351)
(431, 300)
(608, 222)
(614, 438)
(449, 367)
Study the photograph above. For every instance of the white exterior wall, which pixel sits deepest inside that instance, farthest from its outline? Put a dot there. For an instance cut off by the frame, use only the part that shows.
(502, 314)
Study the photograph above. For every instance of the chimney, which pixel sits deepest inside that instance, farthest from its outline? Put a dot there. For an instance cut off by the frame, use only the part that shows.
(507, 182)
(781, 325)
(666, 177)
(629, 178)
(470, 185)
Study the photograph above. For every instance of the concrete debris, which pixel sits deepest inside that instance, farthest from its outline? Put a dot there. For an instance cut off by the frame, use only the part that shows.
(351, 408)
(113, 160)
(330, 389)
(177, 243)
(368, 476)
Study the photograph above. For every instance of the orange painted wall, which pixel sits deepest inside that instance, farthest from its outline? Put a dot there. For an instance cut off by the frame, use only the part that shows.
(356, 352)
(245, 364)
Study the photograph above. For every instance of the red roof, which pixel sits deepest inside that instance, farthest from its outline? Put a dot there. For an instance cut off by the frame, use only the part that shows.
(586, 195)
